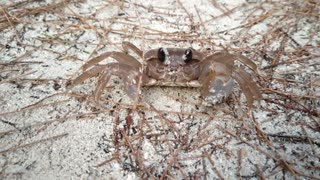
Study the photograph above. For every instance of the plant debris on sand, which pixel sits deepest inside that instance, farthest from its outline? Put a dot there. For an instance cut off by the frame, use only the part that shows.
(47, 130)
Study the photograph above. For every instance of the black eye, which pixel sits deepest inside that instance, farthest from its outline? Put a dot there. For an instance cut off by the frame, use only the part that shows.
(161, 55)
(188, 55)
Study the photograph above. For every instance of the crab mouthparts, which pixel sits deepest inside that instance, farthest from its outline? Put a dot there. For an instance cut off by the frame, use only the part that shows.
(173, 74)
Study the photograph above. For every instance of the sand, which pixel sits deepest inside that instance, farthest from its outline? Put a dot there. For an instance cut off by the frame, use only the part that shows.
(50, 131)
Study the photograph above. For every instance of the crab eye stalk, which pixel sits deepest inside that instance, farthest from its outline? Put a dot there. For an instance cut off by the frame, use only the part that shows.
(161, 55)
(188, 55)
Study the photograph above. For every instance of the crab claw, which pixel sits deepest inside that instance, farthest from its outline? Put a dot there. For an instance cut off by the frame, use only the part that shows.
(218, 90)
(218, 76)
(217, 83)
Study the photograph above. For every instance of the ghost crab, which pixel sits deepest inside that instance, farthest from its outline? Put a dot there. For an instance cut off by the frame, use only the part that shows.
(215, 73)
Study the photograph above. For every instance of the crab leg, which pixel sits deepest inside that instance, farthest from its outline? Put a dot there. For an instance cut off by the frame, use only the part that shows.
(101, 85)
(121, 57)
(228, 59)
(88, 74)
(246, 61)
(128, 45)
(247, 86)
(129, 75)
(221, 57)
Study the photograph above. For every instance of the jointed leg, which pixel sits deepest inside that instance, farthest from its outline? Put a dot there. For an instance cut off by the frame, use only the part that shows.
(101, 85)
(88, 74)
(128, 45)
(121, 57)
(247, 86)
(128, 74)
(229, 59)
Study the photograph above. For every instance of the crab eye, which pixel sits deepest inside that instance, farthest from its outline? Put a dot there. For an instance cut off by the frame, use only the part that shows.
(161, 55)
(188, 55)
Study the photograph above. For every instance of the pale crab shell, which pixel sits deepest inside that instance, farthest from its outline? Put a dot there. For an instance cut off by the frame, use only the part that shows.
(215, 73)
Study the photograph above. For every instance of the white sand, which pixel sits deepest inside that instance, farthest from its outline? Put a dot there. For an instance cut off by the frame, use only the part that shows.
(63, 137)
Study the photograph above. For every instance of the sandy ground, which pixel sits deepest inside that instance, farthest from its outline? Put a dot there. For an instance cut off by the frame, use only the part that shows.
(48, 131)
